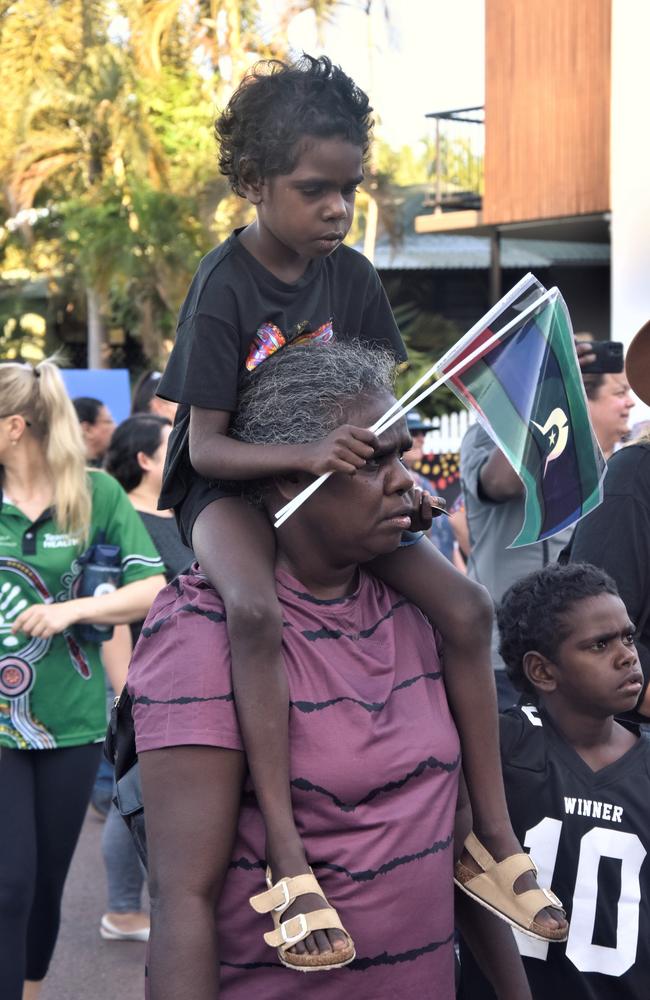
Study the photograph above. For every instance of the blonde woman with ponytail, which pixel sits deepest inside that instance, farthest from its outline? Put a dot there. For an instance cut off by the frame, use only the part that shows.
(52, 701)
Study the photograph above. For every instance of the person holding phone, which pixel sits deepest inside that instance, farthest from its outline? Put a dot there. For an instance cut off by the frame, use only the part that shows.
(608, 392)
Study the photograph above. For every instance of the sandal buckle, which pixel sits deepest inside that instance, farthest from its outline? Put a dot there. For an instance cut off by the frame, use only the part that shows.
(281, 907)
(290, 939)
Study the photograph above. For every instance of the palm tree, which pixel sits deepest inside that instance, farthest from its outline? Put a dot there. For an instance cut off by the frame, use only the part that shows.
(76, 128)
(108, 113)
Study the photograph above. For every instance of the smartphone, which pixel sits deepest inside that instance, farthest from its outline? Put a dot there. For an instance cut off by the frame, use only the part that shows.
(609, 358)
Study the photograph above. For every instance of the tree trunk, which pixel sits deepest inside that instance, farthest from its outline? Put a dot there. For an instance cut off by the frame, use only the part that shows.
(96, 332)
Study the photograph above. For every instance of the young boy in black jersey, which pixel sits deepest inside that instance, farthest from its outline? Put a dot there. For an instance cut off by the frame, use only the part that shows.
(578, 782)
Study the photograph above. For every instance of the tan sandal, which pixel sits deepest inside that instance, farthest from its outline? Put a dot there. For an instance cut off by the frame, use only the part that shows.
(276, 899)
(494, 889)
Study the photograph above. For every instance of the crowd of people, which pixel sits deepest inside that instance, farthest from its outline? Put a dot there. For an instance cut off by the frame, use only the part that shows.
(326, 783)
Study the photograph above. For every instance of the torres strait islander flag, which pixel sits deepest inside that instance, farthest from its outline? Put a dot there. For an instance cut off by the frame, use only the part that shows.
(527, 391)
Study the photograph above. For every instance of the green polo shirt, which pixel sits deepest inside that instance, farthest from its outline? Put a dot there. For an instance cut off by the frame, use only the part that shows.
(52, 691)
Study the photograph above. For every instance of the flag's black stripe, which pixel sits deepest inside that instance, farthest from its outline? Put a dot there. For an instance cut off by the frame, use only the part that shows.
(365, 875)
(431, 763)
(370, 706)
(213, 616)
(334, 633)
(142, 699)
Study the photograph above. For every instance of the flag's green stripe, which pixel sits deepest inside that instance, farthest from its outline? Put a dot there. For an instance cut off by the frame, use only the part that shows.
(558, 339)
(503, 416)
(558, 335)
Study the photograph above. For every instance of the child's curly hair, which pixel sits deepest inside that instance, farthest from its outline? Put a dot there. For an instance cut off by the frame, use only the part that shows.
(278, 103)
(532, 613)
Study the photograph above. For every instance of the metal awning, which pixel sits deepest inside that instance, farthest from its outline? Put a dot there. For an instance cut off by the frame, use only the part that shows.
(439, 252)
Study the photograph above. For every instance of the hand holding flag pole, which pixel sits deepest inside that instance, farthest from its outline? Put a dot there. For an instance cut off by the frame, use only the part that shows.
(399, 409)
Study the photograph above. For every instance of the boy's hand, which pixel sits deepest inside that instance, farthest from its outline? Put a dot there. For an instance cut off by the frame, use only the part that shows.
(345, 449)
(425, 508)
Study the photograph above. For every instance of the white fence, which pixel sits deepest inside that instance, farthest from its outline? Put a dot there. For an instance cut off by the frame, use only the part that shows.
(448, 431)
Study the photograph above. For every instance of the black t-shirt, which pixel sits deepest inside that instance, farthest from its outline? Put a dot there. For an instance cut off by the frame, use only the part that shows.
(164, 534)
(589, 834)
(177, 558)
(616, 537)
(232, 296)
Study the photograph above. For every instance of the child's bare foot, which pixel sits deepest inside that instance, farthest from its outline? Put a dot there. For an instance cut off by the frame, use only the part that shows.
(504, 845)
(287, 863)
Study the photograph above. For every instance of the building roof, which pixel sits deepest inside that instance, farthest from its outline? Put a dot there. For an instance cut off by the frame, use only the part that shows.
(440, 252)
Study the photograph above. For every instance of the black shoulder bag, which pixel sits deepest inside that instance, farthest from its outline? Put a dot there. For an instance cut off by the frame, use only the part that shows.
(119, 750)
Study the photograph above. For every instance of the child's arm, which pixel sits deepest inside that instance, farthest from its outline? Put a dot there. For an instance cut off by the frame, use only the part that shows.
(214, 455)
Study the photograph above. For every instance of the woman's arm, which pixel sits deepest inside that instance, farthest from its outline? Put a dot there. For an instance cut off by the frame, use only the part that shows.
(214, 455)
(129, 603)
(191, 805)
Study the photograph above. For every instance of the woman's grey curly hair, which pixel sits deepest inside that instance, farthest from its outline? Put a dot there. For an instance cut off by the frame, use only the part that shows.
(302, 393)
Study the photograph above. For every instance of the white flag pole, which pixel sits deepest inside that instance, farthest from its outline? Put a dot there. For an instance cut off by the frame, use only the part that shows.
(397, 410)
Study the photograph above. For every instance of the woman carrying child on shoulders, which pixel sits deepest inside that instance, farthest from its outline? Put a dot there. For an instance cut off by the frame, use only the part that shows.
(293, 139)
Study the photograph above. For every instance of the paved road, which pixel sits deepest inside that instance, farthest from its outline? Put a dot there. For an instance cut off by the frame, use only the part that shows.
(84, 966)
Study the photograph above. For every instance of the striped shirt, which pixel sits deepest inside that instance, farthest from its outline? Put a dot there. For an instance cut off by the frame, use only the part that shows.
(374, 772)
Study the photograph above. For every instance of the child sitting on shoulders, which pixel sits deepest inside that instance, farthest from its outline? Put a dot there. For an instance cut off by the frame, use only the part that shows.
(293, 140)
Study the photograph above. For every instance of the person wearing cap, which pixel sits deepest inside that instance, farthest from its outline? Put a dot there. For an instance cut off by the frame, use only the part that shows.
(616, 535)
(418, 428)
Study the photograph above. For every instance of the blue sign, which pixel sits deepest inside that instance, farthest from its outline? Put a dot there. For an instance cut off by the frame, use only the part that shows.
(110, 385)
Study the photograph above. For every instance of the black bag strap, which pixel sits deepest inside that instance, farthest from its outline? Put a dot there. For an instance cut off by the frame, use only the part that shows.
(119, 745)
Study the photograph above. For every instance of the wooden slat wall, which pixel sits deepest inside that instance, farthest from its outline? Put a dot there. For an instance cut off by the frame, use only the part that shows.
(547, 108)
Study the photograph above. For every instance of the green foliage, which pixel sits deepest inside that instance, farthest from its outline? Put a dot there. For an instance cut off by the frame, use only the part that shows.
(461, 166)
(106, 121)
(112, 130)
(427, 336)
(22, 332)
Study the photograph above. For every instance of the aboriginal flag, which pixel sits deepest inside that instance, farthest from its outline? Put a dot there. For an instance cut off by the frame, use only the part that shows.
(527, 392)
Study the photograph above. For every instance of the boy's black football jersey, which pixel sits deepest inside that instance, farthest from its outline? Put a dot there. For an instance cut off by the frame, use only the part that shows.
(589, 834)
